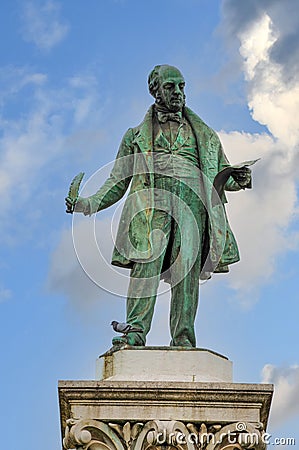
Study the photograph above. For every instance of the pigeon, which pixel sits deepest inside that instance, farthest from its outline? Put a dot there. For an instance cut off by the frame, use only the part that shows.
(124, 328)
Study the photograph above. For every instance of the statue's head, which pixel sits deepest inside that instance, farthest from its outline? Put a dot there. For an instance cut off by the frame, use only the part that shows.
(166, 84)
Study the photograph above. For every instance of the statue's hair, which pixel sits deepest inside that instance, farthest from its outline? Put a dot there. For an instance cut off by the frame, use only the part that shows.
(154, 80)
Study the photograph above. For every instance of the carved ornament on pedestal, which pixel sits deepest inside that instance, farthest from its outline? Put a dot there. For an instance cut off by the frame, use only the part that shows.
(165, 435)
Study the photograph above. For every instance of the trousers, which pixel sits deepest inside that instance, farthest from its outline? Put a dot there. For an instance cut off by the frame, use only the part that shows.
(178, 227)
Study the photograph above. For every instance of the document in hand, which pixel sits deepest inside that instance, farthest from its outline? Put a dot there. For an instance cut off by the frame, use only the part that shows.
(222, 177)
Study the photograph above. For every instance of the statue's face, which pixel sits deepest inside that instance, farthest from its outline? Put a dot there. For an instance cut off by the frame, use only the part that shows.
(171, 90)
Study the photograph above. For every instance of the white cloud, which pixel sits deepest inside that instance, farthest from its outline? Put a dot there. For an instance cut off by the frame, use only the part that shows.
(89, 285)
(14, 79)
(83, 104)
(89, 249)
(241, 16)
(94, 255)
(66, 274)
(26, 146)
(255, 45)
(45, 134)
(261, 217)
(286, 393)
(274, 102)
(32, 141)
(42, 24)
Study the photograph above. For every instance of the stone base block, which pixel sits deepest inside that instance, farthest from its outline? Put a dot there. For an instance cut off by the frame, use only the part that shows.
(164, 364)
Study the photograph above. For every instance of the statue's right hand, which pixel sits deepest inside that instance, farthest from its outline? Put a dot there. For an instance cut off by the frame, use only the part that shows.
(73, 201)
(70, 204)
(79, 205)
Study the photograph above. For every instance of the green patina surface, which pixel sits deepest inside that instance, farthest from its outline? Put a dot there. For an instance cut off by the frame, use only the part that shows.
(169, 228)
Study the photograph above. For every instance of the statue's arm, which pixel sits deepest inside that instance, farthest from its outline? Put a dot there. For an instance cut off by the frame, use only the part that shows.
(116, 185)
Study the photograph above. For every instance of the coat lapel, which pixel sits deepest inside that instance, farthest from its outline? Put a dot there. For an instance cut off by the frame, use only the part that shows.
(144, 133)
(144, 139)
(202, 133)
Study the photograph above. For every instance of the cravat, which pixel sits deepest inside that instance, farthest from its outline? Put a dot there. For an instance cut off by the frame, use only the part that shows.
(164, 117)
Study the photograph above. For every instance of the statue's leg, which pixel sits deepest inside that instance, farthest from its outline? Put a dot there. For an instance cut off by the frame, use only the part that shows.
(183, 308)
(185, 269)
(144, 281)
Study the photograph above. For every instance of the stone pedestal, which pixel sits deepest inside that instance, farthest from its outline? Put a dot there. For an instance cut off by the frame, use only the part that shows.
(156, 397)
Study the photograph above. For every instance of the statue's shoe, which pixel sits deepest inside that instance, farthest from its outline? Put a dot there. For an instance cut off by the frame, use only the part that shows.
(182, 343)
(132, 339)
(119, 341)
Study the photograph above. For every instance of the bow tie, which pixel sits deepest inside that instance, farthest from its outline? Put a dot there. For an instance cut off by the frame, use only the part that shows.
(164, 117)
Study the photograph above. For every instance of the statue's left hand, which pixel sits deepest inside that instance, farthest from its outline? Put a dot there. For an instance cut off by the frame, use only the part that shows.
(242, 176)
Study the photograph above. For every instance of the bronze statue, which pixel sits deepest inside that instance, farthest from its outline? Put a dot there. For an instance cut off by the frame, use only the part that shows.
(173, 225)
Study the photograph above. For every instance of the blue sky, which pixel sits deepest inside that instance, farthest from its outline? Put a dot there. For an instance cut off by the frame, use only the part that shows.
(73, 78)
